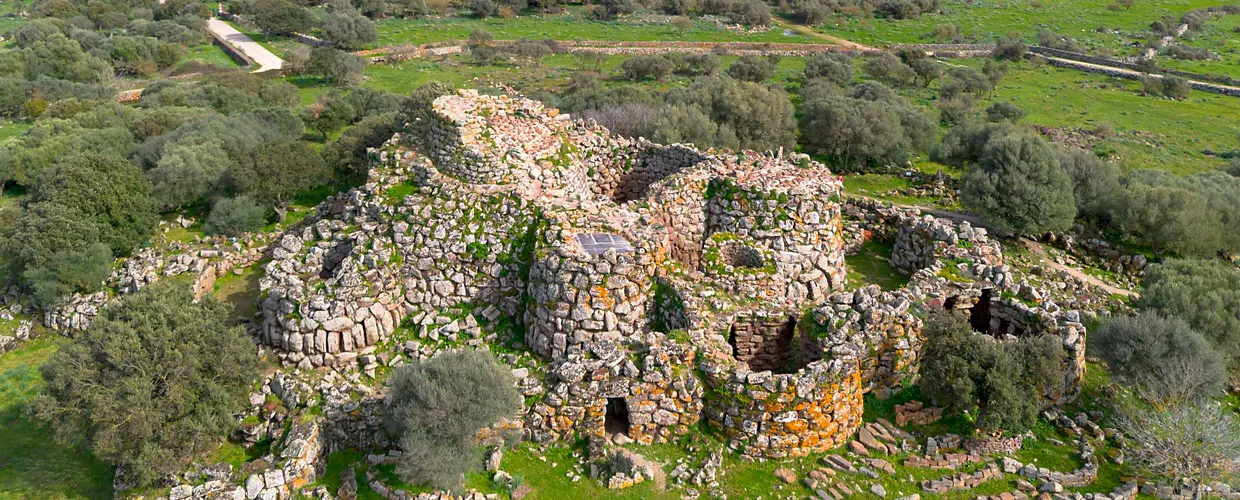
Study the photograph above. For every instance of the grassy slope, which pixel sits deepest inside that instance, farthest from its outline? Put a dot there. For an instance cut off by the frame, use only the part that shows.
(569, 27)
(32, 463)
(1153, 132)
(989, 20)
(871, 266)
(1218, 36)
(209, 54)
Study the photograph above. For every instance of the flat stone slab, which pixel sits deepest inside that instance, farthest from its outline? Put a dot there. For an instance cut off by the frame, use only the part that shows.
(597, 243)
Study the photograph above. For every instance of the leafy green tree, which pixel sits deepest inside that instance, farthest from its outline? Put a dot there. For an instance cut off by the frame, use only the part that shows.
(1002, 381)
(371, 102)
(108, 190)
(187, 172)
(760, 116)
(281, 16)
(1203, 292)
(234, 216)
(641, 67)
(340, 68)
(1163, 357)
(347, 156)
(836, 68)
(349, 30)
(155, 380)
(927, 70)
(962, 81)
(889, 69)
(328, 114)
(435, 407)
(751, 68)
(54, 251)
(870, 126)
(1095, 182)
(273, 172)
(1019, 186)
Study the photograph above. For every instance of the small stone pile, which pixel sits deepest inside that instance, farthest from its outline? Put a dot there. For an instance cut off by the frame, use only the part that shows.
(916, 413)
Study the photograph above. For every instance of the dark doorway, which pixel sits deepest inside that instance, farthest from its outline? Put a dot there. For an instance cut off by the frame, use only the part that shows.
(616, 420)
(979, 316)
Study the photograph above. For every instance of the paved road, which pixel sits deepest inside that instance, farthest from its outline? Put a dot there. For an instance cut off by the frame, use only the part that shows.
(263, 58)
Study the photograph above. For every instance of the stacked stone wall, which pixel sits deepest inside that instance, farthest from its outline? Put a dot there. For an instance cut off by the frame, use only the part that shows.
(802, 226)
(663, 398)
(882, 328)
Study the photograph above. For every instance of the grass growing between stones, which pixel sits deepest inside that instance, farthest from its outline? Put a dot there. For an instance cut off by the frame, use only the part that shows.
(870, 266)
(241, 291)
(32, 463)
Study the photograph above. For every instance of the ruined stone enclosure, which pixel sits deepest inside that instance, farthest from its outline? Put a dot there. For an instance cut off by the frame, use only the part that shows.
(659, 285)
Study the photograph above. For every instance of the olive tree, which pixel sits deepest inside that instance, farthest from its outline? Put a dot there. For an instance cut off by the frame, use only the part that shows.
(1168, 361)
(435, 408)
(1019, 186)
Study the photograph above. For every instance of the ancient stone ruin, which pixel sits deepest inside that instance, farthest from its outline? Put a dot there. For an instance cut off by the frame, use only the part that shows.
(661, 285)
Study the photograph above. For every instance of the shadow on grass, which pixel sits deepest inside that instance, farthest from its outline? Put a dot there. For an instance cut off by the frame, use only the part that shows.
(32, 463)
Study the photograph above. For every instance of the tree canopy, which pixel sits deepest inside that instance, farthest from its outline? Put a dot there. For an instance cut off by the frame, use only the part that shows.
(155, 380)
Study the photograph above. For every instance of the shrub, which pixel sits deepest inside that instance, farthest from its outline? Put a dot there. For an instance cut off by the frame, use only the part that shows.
(1004, 111)
(349, 30)
(1019, 186)
(1175, 87)
(435, 407)
(1199, 441)
(1095, 183)
(1168, 361)
(835, 68)
(1203, 292)
(751, 68)
(642, 67)
(1002, 381)
(629, 119)
(696, 64)
(234, 216)
(106, 189)
(1010, 50)
(154, 381)
(1195, 215)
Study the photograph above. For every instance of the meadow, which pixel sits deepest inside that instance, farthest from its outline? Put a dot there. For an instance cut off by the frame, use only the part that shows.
(1094, 23)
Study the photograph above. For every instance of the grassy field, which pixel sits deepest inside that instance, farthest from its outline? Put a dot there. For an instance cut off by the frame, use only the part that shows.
(572, 26)
(32, 463)
(990, 19)
(1218, 36)
(1152, 132)
(10, 129)
(209, 54)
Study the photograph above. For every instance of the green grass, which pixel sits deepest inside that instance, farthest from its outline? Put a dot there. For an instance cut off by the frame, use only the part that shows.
(10, 129)
(987, 21)
(209, 54)
(1218, 36)
(568, 27)
(32, 463)
(241, 291)
(870, 266)
(1152, 132)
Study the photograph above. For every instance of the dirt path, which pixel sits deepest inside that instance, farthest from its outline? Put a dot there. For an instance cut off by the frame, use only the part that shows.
(808, 31)
(263, 58)
(1033, 246)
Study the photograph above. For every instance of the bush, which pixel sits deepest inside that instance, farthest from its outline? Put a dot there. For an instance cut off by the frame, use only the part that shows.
(1095, 183)
(642, 67)
(234, 216)
(835, 68)
(435, 408)
(1203, 292)
(107, 189)
(1175, 87)
(1019, 186)
(696, 64)
(1002, 381)
(889, 69)
(1196, 215)
(760, 116)
(629, 119)
(154, 381)
(1199, 441)
(1168, 361)
(349, 30)
(1004, 111)
(687, 124)
(751, 68)
(1010, 50)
